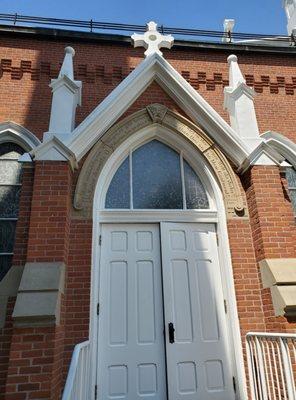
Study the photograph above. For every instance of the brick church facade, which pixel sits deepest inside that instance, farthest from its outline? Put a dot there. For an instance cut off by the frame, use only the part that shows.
(233, 125)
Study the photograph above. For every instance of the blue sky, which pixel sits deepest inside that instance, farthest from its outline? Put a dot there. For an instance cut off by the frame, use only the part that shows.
(252, 16)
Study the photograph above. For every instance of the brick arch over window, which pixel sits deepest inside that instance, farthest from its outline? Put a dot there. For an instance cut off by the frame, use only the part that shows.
(235, 203)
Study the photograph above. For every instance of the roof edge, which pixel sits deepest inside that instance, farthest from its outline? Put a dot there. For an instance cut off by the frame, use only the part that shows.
(54, 34)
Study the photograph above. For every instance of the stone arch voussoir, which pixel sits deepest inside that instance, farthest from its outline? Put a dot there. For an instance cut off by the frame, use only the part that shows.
(235, 202)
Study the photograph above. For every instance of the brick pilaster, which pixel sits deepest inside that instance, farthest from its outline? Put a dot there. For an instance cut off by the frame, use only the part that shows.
(273, 227)
(36, 354)
(19, 259)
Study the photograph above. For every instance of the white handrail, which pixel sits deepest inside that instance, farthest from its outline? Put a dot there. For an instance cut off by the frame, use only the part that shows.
(77, 383)
(272, 365)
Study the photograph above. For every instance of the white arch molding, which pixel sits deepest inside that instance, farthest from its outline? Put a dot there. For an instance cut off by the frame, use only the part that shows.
(216, 214)
(285, 146)
(156, 115)
(12, 132)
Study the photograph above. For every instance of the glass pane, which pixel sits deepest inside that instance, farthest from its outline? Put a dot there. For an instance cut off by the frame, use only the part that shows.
(10, 172)
(118, 195)
(5, 264)
(10, 151)
(7, 232)
(291, 177)
(9, 201)
(293, 199)
(156, 177)
(196, 196)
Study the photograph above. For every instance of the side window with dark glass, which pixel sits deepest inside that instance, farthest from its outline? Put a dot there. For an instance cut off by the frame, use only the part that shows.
(291, 179)
(10, 185)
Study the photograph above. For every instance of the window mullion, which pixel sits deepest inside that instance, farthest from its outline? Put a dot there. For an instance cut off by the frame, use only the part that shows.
(131, 179)
(11, 184)
(183, 181)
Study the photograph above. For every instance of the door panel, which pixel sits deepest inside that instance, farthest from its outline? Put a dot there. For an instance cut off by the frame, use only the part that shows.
(132, 359)
(198, 362)
(131, 363)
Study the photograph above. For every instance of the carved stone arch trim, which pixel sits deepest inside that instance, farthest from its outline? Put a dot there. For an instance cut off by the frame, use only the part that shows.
(235, 203)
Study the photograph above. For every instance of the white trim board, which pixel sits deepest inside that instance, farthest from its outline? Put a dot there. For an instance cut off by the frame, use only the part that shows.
(149, 216)
(282, 144)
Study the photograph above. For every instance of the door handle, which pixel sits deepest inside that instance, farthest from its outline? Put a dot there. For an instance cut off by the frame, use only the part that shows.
(171, 333)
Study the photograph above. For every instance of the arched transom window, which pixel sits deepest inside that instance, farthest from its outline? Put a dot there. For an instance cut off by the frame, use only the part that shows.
(154, 176)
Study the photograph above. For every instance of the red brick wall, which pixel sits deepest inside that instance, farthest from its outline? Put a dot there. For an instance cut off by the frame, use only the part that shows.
(246, 277)
(39, 357)
(273, 228)
(154, 94)
(271, 213)
(22, 227)
(77, 293)
(36, 354)
(27, 65)
(51, 204)
(19, 258)
(31, 373)
(5, 342)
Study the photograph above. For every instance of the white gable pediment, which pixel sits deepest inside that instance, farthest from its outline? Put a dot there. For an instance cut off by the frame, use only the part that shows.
(263, 154)
(54, 150)
(281, 144)
(156, 68)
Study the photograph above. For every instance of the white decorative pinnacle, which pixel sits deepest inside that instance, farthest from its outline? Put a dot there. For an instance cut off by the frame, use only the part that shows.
(67, 67)
(239, 102)
(235, 75)
(66, 96)
(152, 40)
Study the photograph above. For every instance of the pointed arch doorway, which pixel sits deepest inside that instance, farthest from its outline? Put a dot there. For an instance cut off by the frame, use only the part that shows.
(163, 331)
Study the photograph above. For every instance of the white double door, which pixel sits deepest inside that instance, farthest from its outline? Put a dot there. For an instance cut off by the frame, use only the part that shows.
(162, 324)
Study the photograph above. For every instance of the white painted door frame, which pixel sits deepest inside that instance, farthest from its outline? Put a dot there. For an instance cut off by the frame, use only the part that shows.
(216, 214)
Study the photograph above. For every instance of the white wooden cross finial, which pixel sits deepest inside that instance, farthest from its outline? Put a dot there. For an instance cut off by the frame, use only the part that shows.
(152, 40)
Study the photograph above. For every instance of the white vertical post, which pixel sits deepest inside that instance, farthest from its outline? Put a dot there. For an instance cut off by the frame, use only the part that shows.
(289, 378)
(250, 359)
(272, 362)
(261, 369)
